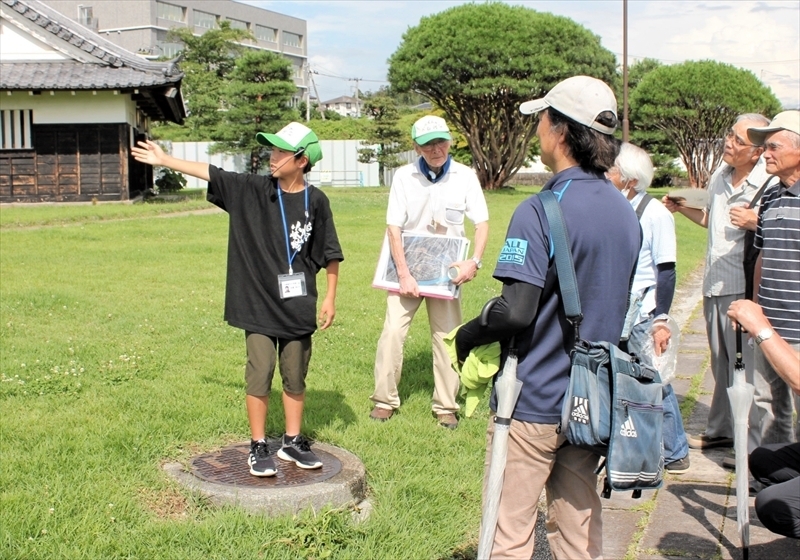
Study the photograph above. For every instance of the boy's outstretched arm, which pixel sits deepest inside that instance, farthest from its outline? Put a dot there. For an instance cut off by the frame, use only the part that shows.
(151, 153)
(327, 310)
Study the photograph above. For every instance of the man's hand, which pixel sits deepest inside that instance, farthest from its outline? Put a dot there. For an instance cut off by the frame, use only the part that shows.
(327, 312)
(409, 287)
(661, 336)
(670, 204)
(744, 218)
(467, 270)
(148, 152)
(749, 315)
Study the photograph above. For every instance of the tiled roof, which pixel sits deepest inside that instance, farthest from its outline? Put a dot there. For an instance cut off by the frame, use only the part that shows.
(95, 50)
(75, 75)
(94, 63)
(340, 99)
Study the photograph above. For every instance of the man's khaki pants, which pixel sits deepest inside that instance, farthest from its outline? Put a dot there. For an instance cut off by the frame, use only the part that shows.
(443, 315)
(538, 458)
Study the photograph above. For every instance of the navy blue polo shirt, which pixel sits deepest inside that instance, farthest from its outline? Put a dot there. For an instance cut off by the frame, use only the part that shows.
(605, 238)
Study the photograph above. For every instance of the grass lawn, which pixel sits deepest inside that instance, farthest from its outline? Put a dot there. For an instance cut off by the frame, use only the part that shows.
(115, 359)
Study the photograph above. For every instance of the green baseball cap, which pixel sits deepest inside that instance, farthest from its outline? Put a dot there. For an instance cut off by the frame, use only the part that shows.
(430, 128)
(294, 137)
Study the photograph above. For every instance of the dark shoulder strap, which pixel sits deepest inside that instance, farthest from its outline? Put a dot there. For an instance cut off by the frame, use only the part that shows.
(563, 257)
(760, 192)
(642, 205)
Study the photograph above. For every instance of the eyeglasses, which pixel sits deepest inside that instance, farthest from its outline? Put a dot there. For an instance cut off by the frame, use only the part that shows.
(738, 140)
(434, 145)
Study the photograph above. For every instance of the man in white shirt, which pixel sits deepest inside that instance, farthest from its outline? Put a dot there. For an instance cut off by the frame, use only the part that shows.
(432, 195)
(653, 288)
(732, 187)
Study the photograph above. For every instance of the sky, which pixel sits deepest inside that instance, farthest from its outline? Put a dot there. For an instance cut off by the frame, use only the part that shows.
(354, 38)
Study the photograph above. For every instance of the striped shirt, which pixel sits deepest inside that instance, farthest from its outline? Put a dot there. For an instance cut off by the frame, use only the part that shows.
(778, 238)
(724, 273)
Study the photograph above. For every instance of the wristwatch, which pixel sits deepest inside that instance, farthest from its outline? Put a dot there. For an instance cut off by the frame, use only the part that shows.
(478, 262)
(764, 334)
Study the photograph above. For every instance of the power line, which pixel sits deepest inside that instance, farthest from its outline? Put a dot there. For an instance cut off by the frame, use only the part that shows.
(725, 61)
(350, 79)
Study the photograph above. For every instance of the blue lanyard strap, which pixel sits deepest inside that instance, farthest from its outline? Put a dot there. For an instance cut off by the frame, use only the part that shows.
(289, 256)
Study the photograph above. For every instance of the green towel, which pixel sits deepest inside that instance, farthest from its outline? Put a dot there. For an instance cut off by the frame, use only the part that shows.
(478, 369)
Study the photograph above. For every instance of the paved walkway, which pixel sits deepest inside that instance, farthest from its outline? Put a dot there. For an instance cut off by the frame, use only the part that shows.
(693, 515)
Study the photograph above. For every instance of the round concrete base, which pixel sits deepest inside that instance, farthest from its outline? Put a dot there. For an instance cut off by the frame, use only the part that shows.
(223, 476)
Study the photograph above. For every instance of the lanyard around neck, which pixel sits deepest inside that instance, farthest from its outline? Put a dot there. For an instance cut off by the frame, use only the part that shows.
(289, 256)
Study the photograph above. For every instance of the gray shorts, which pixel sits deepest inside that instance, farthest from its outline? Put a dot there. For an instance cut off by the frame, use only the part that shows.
(294, 356)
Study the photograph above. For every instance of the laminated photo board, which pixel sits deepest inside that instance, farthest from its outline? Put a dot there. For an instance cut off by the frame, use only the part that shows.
(690, 198)
(428, 258)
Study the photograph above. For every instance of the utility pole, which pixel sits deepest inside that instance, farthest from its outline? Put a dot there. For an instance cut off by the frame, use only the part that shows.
(316, 92)
(624, 70)
(358, 104)
(308, 91)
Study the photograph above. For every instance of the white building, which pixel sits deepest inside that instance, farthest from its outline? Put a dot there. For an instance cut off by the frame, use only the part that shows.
(344, 105)
(141, 26)
(71, 106)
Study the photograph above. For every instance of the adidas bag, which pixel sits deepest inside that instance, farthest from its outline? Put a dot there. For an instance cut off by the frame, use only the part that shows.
(613, 408)
(613, 403)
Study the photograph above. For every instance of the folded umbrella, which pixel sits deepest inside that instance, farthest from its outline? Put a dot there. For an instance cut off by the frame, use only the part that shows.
(507, 388)
(741, 397)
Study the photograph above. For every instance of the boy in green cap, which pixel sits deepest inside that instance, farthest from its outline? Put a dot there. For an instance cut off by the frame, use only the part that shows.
(281, 234)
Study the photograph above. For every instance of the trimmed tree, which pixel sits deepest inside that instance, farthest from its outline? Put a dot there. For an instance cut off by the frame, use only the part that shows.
(207, 61)
(258, 96)
(478, 62)
(384, 139)
(694, 104)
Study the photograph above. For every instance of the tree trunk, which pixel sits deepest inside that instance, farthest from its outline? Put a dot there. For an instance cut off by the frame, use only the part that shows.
(498, 141)
(255, 162)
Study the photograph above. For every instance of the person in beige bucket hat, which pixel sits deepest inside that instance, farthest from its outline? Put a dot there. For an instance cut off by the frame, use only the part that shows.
(778, 269)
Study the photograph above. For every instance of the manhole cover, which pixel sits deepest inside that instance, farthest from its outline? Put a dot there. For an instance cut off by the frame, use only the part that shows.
(229, 466)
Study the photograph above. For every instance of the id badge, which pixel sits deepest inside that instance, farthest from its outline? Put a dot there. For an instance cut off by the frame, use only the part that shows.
(292, 285)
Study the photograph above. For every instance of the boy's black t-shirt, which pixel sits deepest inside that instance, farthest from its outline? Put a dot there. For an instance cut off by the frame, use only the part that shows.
(257, 251)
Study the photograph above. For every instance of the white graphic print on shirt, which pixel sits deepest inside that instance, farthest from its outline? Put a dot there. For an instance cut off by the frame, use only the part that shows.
(300, 234)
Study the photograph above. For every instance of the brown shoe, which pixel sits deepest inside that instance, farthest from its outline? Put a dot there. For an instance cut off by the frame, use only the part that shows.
(447, 420)
(704, 442)
(381, 414)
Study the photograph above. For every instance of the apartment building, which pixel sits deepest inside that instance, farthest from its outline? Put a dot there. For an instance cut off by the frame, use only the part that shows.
(141, 26)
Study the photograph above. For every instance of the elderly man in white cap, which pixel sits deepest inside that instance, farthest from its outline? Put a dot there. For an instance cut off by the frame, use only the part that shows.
(778, 271)
(432, 195)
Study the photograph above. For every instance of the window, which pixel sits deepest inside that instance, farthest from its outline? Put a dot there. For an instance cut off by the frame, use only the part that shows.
(266, 33)
(292, 39)
(15, 129)
(170, 12)
(205, 20)
(168, 50)
(236, 24)
(85, 16)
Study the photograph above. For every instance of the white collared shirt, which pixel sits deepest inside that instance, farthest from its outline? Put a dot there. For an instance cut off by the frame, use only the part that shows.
(724, 273)
(415, 202)
(659, 246)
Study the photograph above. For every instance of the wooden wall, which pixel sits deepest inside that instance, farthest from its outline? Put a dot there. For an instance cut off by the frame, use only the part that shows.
(68, 163)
